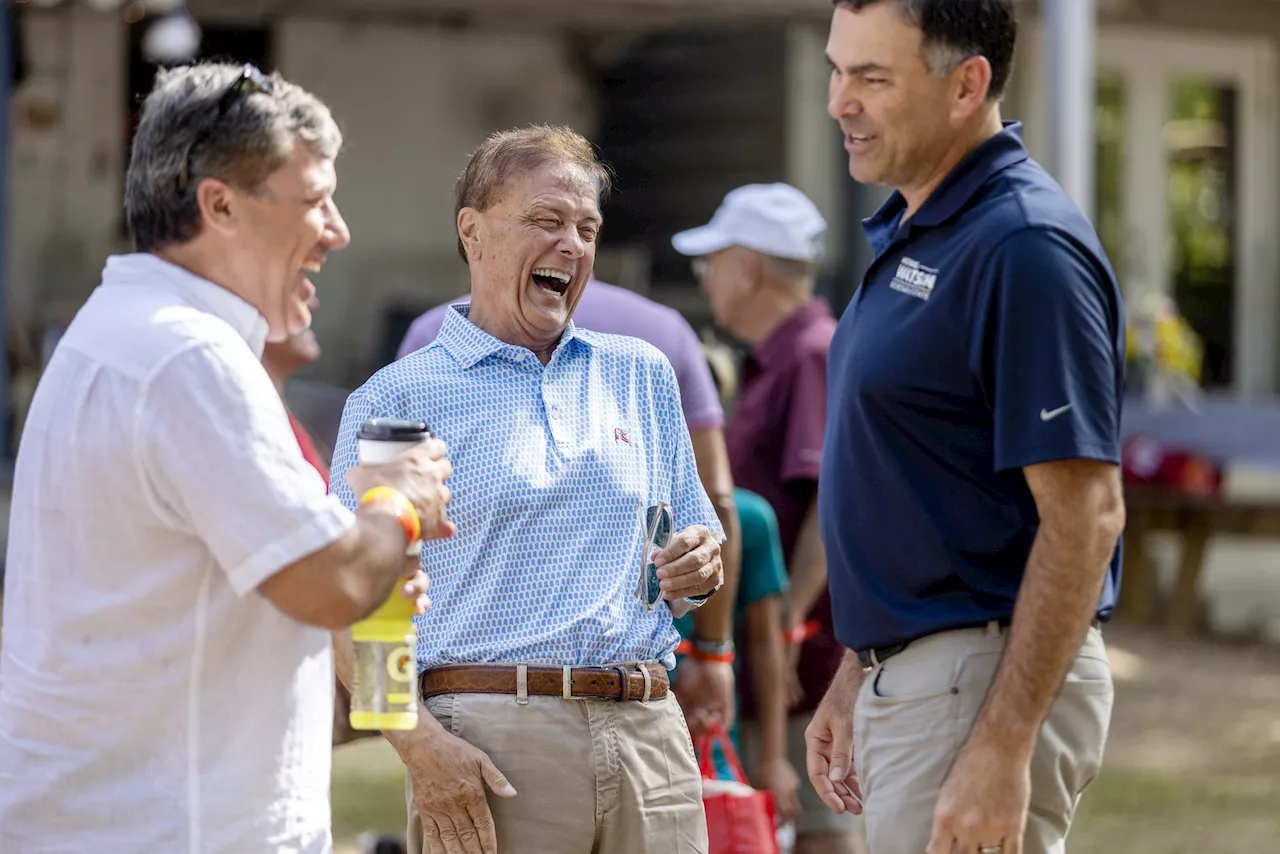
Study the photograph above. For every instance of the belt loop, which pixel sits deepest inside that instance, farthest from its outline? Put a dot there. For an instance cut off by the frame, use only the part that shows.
(624, 691)
(566, 686)
(993, 628)
(522, 684)
(648, 683)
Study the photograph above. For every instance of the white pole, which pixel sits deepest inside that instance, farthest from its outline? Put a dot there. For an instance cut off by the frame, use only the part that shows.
(1069, 27)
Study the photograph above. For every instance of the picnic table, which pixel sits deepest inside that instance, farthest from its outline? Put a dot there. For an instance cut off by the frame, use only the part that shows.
(1230, 431)
(1196, 521)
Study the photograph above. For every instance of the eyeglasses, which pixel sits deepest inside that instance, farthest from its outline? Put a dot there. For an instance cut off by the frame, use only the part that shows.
(700, 266)
(250, 82)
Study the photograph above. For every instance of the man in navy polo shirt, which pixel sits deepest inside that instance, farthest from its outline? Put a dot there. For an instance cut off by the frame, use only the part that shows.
(970, 496)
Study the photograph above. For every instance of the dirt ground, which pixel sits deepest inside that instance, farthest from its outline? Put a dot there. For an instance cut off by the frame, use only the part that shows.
(1193, 760)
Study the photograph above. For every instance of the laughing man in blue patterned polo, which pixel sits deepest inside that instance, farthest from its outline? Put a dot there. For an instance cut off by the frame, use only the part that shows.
(560, 438)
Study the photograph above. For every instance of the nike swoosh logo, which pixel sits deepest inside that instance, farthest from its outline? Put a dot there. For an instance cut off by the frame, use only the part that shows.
(1050, 414)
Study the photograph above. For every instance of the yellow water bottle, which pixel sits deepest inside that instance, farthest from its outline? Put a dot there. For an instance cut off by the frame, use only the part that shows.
(383, 693)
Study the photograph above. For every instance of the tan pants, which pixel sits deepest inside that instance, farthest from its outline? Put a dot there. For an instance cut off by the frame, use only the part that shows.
(915, 711)
(591, 775)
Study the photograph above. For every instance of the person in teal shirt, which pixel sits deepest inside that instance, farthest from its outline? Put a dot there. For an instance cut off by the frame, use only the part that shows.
(762, 581)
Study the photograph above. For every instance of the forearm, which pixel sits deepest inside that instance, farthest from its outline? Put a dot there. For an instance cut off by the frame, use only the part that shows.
(346, 580)
(764, 639)
(1057, 600)
(808, 577)
(365, 570)
(714, 620)
(847, 682)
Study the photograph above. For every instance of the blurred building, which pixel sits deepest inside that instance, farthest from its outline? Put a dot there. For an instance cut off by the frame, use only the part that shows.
(687, 99)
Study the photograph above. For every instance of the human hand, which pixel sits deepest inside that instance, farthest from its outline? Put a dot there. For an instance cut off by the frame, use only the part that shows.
(706, 693)
(416, 585)
(449, 777)
(419, 474)
(690, 564)
(829, 751)
(779, 777)
(983, 803)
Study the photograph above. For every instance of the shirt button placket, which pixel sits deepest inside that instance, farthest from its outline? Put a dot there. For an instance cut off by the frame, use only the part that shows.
(555, 413)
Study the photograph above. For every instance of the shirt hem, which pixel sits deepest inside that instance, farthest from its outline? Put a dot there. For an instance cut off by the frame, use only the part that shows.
(1103, 612)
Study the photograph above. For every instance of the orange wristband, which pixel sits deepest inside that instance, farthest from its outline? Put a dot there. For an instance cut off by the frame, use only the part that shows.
(402, 508)
(801, 633)
(687, 648)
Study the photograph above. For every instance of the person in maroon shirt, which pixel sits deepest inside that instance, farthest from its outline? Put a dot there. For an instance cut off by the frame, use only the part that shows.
(755, 261)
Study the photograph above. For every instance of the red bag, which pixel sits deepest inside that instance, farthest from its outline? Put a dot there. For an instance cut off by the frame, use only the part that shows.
(740, 819)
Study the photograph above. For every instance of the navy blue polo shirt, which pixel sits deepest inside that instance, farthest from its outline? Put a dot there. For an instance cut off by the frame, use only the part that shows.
(987, 335)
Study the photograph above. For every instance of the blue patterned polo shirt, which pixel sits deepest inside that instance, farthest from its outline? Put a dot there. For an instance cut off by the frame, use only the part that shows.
(553, 469)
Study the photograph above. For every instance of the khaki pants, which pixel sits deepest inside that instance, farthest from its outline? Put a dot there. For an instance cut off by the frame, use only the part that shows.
(591, 775)
(915, 711)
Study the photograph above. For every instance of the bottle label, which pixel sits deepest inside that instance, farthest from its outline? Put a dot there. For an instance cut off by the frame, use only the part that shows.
(399, 664)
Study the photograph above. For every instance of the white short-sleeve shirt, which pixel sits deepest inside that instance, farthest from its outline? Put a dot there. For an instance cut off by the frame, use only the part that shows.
(150, 698)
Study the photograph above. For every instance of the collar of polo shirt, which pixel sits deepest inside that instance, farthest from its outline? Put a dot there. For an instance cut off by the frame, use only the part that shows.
(1000, 152)
(469, 344)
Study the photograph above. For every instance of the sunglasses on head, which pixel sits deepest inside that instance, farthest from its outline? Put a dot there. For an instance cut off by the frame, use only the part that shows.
(250, 81)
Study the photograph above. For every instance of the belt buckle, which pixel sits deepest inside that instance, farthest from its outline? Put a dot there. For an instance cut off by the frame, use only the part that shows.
(566, 685)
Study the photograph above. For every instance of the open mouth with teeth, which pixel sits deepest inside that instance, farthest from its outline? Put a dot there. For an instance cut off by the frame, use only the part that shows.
(552, 281)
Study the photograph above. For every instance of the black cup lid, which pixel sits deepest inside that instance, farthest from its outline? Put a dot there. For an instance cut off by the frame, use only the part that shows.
(393, 430)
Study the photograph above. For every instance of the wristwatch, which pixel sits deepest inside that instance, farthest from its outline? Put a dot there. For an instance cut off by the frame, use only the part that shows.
(697, 601)
(713, 648)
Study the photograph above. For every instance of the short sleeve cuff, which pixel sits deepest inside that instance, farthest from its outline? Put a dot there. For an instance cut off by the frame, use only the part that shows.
(322, 529)
(804, 469)
(708, 420)
(1017, 458)
(716, 529)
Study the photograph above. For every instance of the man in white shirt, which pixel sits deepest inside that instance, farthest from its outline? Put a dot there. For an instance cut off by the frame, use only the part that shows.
(166, 680)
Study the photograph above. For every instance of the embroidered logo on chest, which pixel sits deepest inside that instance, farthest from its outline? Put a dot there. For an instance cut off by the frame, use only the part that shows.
(620, 436)
(914, 279)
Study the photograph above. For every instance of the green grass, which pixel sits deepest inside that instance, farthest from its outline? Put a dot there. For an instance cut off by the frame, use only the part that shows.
(1128, 812)
(367, 791)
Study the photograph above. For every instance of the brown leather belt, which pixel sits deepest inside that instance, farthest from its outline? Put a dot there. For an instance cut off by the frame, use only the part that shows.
(621, 683)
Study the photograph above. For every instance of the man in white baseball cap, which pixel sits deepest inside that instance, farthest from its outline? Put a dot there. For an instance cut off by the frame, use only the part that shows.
(755, 260)
(772, 219)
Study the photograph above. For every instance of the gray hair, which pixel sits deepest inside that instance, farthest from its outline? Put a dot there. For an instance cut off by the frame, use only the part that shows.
(790, 269)
(942, 59)
(183, 133)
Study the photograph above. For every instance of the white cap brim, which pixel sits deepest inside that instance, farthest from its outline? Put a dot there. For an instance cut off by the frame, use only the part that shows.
(701, 241)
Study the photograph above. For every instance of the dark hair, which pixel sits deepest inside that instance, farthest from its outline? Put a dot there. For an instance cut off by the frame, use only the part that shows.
(956, 30)
(505, 155)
